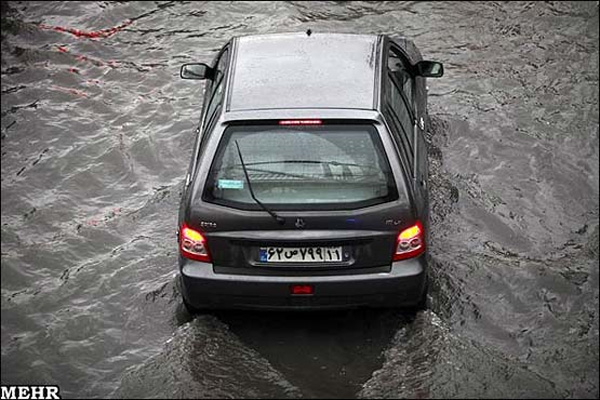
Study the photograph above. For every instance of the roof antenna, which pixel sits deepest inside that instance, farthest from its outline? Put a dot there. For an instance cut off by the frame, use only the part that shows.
(308, 32)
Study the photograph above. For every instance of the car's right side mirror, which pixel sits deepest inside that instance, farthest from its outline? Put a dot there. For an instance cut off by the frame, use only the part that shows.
(429, 69)
(196, 71)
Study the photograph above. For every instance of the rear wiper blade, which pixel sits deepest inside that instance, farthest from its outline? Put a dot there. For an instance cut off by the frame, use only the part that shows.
(280, 220)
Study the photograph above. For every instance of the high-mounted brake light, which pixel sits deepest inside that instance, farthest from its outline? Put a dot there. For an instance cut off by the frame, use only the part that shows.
(410, 242)
(300, 122)
(192, 244)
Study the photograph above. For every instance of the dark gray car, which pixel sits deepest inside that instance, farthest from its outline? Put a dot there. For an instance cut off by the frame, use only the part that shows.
(307, 186)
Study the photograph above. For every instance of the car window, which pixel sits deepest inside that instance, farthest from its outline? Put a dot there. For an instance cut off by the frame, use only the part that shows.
(399, 136)
(216, 96)
(221, 65)
(215, 101)
(398, 68)
(400, 113)
(302, 167)
(399, 96)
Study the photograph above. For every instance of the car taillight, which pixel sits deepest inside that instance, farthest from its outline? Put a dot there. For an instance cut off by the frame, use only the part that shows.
(410, 242)
(192, 244)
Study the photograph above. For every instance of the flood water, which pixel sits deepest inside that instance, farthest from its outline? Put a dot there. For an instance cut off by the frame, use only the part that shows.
(97, 130)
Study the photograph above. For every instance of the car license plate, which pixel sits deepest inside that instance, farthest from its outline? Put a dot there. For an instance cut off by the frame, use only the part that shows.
(300, 254)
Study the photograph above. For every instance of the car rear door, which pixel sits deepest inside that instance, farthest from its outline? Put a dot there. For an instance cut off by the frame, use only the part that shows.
(318, 237)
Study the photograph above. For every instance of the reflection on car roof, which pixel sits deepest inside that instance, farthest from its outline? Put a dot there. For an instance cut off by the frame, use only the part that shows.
(290, 71)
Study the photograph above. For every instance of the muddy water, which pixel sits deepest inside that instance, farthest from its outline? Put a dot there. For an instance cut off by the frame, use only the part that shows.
(96, 135)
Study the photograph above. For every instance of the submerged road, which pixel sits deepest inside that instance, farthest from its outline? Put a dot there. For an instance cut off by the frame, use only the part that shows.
(97, 130)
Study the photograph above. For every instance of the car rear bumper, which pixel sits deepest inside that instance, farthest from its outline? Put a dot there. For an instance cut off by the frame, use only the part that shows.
(402, 286)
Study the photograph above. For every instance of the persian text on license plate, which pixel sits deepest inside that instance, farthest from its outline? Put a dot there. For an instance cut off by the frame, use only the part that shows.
(300, 254)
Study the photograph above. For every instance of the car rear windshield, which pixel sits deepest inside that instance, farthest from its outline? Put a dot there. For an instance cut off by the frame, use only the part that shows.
(301, 167)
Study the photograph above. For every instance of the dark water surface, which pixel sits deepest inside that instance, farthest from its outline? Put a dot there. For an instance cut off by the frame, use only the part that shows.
(97, 131)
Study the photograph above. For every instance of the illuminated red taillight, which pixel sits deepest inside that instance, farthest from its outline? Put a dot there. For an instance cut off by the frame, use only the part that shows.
(300, 122)
(410, 242)
(302, 289)
(192, 244)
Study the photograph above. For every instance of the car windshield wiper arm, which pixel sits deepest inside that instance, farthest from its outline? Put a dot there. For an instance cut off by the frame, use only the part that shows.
(280, 220)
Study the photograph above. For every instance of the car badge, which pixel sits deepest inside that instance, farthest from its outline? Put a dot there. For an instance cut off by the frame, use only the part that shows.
(300, 223)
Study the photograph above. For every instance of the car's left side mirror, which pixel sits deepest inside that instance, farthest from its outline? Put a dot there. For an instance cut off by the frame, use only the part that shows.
(196, 71)
(429, 69)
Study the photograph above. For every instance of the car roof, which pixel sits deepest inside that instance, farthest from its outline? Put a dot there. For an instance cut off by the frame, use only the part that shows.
(298, 70)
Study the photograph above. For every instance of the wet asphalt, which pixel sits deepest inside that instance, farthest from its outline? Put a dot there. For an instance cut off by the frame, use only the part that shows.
(97, 130)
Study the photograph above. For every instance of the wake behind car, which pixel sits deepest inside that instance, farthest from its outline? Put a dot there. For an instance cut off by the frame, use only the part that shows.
(307, 187)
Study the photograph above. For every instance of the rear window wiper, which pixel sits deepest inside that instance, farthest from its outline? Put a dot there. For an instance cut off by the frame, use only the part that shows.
(280, 220)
